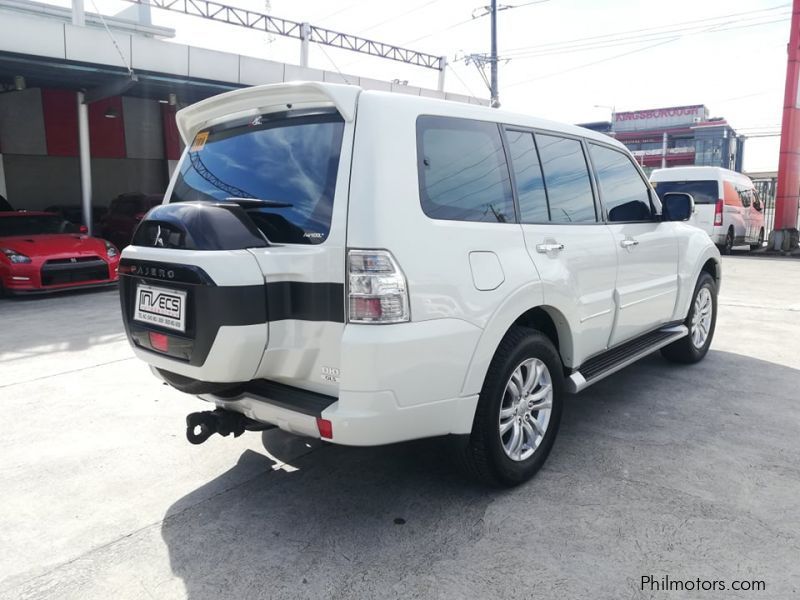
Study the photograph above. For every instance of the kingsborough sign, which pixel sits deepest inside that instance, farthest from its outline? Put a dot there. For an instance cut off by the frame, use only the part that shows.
(659, 118)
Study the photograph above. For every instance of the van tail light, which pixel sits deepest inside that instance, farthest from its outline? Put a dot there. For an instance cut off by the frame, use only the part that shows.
(377, 289)
(718, 212)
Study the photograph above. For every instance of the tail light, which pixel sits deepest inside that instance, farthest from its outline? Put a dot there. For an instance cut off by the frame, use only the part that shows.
(377, 290)
(718, 212)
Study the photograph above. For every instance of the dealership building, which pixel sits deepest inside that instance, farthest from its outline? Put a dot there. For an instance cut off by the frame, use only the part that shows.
(87, 105)
(676, 136)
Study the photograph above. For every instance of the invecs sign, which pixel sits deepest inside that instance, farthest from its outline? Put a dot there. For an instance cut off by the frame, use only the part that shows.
(659, 118)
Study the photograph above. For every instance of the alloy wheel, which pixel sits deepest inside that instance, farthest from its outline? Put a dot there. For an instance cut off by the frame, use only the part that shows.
(701, 318)
(525, 409)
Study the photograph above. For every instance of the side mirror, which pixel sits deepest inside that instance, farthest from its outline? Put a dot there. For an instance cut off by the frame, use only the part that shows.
(83, 229)
(677, 206)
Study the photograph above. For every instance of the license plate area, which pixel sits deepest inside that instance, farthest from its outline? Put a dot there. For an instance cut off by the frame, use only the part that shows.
(159, 306)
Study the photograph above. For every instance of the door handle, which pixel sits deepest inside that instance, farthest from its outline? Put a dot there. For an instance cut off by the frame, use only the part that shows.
(549, 247)
(629, 243)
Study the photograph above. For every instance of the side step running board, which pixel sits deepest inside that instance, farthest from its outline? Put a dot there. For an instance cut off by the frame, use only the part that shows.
(601, 366)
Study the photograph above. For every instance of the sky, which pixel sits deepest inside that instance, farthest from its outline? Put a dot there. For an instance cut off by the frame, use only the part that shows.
(566, 60)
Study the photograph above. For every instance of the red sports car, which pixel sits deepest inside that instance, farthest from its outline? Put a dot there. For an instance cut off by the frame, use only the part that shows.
(42, 252)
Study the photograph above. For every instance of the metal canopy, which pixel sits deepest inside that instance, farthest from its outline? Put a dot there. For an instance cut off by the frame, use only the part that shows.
(54, 73)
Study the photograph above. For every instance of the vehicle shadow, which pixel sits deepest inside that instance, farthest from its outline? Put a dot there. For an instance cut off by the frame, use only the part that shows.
(371, 522)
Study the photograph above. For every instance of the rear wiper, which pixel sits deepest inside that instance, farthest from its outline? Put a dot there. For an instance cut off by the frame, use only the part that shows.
(258, 202)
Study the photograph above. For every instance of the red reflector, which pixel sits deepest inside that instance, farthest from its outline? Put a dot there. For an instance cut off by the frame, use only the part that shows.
(325, 428)
(366, 308)
(126, 268)
(159, 341)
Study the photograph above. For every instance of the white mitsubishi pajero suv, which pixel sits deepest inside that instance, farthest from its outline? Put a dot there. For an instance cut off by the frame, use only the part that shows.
(367, 268)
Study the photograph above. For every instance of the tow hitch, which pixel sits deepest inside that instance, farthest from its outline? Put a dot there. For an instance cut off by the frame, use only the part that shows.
(202, 425)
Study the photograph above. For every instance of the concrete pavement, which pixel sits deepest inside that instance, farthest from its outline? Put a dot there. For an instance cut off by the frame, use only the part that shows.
(659, 470)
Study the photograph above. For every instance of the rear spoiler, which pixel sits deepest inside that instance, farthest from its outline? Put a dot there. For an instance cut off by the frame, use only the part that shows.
(263, 97)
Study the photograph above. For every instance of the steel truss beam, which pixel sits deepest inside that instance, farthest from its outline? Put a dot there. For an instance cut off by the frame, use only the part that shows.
(241, 17)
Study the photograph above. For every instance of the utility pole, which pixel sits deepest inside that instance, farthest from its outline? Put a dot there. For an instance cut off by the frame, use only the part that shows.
(495, 93)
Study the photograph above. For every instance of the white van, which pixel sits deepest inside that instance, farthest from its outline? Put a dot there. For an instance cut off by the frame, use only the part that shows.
(366, 268)
(727, 206)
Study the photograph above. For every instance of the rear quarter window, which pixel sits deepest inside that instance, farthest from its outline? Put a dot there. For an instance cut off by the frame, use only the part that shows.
(463, 174)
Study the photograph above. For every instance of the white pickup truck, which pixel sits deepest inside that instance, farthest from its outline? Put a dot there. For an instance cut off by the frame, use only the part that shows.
(368, 268)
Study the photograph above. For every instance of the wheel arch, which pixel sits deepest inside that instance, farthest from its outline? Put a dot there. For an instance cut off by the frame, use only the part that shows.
(547, 319)
(712, 267)
(699, 255)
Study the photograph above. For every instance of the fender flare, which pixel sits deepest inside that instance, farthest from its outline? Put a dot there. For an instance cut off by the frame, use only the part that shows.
(698, 251)
(516, 304)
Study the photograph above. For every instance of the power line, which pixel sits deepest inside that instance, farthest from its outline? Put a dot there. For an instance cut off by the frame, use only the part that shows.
(113, 39)
(509, 6)
(597, 62)
(660, 27)
(464, 83)
(335, 66)
(341, 10)
(400, 16)
(616, 56)
(470, 20)
(639, 39)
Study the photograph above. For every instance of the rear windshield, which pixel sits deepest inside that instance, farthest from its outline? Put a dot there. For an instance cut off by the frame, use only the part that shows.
(703, 192)
(280, 168)
(35, 225)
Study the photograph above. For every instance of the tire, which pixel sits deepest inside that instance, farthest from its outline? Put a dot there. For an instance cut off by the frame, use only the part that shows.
(484, 457)
(760, 243)
(686, 350)
(727, 247)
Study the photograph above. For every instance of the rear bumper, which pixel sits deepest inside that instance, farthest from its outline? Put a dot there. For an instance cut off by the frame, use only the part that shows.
(358, 419)
(397, 383)
(230, 358)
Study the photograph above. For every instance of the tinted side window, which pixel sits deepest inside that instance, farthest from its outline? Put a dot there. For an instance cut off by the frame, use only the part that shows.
(567, 178)
(528, 175)
(622, 191)
(463, 175)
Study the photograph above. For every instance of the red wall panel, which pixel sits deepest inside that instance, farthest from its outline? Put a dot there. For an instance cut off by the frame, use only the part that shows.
(107, 133)
(60, 108)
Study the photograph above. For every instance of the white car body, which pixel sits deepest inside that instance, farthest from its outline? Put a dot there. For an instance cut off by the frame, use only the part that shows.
(735, 209)
(467, 282)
